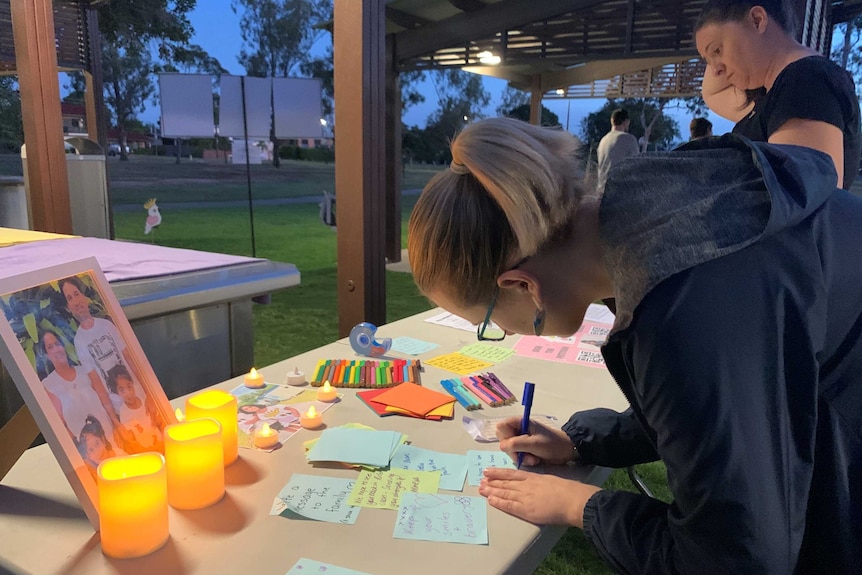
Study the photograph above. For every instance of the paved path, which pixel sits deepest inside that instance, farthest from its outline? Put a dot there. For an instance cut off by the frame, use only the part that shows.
(238, 203)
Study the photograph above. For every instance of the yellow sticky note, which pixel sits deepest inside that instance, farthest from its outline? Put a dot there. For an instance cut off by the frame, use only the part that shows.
(383, 489)
(459, 363)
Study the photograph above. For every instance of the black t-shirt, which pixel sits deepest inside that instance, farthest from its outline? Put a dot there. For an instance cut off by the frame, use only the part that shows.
(812, 88)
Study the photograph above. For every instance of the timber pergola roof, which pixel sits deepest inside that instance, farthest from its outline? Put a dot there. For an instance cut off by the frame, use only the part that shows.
(586, 48)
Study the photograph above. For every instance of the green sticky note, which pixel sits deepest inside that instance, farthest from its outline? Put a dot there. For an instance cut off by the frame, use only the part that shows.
(487, 352)
(383, 489)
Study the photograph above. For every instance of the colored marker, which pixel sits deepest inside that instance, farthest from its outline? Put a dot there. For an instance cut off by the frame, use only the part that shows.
(447, 385)
(525, 422)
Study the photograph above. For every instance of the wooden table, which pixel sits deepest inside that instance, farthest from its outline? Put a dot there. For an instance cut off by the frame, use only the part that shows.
(44, 530)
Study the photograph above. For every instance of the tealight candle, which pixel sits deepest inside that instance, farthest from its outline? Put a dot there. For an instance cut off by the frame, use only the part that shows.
(195, 463)
(253, 379)
(265, 437)
(327, 393)
(133, 504)
(221, 406)
(295, 377)
(311, 419)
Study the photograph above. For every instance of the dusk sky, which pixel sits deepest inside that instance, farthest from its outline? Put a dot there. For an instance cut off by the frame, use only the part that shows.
(217, 31)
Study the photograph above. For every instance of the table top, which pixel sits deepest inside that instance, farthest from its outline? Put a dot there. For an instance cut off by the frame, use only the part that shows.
(45, 531)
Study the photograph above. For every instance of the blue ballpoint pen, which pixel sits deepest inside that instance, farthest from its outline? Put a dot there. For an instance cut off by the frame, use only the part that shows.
(527, 401)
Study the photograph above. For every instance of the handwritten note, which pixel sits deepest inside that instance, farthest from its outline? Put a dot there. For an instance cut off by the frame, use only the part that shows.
(383, 489)
(479, 460)
(487, 352)
(451, 320)
(445, 518)
(452, 467)
(411, 345)
(316, 497)
(310, 567)
(459, 363)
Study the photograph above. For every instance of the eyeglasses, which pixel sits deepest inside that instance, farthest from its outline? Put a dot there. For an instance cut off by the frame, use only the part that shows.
(487, 330)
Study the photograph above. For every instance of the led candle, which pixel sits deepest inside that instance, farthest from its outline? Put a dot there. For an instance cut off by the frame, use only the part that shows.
(195, 463)
(221, 406)
(253, 379)
(265, 437)
(327, 393)
(311, 419)
(295, 377)
(133, 504)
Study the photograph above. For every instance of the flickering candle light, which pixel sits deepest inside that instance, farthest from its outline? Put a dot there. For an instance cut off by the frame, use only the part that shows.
(179, 414)
(295, 377)
(253, 379)
(265, 437)
(221, 406)
(311, 419)
(195, 463)
(327, 393)
(133, 504)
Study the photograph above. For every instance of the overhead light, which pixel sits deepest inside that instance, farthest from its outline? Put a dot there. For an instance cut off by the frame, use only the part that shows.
(560, 92)
(322, 122)
(488, 57)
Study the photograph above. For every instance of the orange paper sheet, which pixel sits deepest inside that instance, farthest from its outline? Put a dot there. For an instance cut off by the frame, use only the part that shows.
(447, 411)
(413, 398)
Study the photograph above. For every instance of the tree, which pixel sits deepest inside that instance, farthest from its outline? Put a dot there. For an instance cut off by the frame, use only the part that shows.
(644, 112)
(511, 99)
(126, 67)
(847, 54)
(277, 39)
(11, 128)
(522, 112)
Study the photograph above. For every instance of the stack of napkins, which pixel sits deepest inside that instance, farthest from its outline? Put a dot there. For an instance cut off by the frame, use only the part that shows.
(356, 446)
(411, 400)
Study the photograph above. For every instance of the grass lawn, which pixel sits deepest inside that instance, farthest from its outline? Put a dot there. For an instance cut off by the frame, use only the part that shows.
(293, 233)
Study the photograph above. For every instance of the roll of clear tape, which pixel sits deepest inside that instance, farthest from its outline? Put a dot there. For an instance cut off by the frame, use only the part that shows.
(362, 340)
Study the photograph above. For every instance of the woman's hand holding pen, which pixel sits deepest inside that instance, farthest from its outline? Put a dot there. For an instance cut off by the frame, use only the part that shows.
(540, 499)
(542, 445)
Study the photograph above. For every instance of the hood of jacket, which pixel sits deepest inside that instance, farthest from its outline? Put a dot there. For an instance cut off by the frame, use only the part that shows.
(665, 212)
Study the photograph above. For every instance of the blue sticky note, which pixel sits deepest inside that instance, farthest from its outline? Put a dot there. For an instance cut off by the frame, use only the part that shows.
(444, 518)
(452, 467)
(479, 460)
(411, 345)
(310, 567)
(357, 446)
(317, 497)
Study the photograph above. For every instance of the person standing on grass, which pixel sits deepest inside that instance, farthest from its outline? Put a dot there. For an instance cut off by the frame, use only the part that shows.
(737, 340)
(615, 145)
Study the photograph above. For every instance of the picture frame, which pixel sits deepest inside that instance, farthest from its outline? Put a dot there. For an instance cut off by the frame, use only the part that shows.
(81, 371)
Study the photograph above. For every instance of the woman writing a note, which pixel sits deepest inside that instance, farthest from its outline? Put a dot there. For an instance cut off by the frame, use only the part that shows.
(737, 342)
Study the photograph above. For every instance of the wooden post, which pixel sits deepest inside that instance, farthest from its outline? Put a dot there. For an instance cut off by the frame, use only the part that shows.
(360, 178)
(536, 100)
(393, 154)
(36, 63)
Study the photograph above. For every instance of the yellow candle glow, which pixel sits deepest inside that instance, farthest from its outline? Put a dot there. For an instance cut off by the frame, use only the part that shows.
(265, 437)
(195, 463)
(253, 379)
(133, 505)
(327, 393)
(179, 414)
(221, 406)
(311, 419)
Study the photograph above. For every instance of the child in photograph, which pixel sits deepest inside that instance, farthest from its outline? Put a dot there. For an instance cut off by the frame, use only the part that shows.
(138, 416)
(94, 446)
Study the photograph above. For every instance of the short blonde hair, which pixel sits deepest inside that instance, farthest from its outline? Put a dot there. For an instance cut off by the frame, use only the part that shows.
(512, 187)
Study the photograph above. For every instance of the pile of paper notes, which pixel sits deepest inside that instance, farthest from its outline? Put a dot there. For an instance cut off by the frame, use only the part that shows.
(410, 400)
(356, 446)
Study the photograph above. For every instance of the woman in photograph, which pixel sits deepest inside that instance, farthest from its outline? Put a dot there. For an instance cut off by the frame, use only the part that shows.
(74, 395)
(737, 341)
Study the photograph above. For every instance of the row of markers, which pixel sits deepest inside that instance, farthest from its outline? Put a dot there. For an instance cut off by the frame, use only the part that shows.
(485, 386)
(366, 373)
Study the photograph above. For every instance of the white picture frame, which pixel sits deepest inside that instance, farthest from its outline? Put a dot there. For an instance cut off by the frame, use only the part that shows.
(71, 309)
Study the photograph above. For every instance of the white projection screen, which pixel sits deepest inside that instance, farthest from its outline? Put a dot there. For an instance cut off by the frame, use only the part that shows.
(297, 107)
(187, 105)
(257, 107)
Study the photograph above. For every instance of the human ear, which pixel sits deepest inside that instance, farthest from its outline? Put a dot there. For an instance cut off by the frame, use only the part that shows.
(523, 282)
(759, 18)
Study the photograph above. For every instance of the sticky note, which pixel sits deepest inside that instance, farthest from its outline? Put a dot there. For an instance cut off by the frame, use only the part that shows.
(452, 466)
(383, 489)
(487, 352)
(358, 446)
(445, 518)
(413, 398)
(309, 567)
(479, 460)
(458, 363)
(316, 497)
(411, 345)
